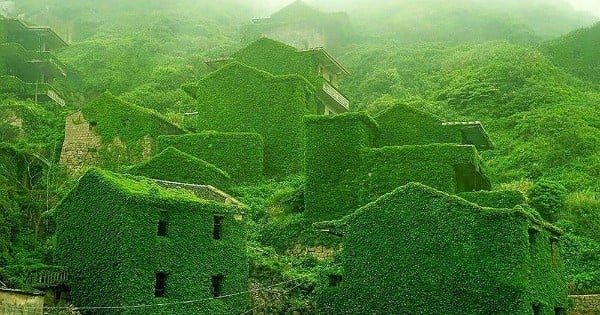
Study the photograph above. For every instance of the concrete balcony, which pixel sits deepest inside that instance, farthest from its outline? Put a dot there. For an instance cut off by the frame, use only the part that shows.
(38, 91)
(333, 96)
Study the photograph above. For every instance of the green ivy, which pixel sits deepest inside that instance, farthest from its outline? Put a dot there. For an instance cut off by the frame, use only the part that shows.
(494, 199)
(238, 98)
(107, 241)
(344, 172)
(443, 255)
(239, 154)
(176, 166)
(122, 128)
(402, 125)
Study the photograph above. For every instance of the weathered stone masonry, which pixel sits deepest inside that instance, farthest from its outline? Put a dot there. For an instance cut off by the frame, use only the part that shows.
(81, 143)
(585, 304)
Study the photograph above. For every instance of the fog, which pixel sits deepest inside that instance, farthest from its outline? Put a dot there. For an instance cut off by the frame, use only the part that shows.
(590, 6)
(265, 7)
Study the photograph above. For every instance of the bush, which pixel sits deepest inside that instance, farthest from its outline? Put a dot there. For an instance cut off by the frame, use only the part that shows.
(548, 198)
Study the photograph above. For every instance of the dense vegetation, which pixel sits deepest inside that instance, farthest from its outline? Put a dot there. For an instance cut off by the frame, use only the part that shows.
(522, 68)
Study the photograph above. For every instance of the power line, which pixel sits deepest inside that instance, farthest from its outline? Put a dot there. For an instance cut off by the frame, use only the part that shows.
(156, 304)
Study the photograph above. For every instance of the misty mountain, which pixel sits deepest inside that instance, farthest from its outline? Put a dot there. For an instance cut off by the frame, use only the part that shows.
(578, 53)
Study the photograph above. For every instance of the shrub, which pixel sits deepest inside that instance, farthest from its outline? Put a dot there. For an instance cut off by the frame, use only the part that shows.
(548, 198)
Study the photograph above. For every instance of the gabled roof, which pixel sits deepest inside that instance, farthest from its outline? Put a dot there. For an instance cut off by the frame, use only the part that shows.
(177, 166)
(136, 186)
(296, 10)
(417, 190)
(235, 70)
(267, 51)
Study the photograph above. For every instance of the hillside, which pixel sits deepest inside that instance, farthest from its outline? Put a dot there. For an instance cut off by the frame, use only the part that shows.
(529, 71)
(577, 52)
(462, 21)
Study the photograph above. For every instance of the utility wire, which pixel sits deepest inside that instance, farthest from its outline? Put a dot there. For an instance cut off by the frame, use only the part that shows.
(157, 304)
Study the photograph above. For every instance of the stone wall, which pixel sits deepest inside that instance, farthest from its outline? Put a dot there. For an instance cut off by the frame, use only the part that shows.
(81, 144)
(319, 252)
(585, 304)
(13, 302)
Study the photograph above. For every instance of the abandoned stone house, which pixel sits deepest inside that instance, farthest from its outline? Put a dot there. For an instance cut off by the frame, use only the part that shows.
(398, 146)
(162, 243)
(418, 250)
(316, 65)
(421, 247)
(303, 27)
(27, 67)
(109, 132)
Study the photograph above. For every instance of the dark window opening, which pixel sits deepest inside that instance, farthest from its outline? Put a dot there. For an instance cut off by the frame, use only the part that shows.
(560, 311)
(217, 225)
(163, 220)
(532, 236)
(334, 280)
(465, 177)
(61, 291)
(554, 250)
(160, 287)
(217, 284)
(92, 125)
(537, 309)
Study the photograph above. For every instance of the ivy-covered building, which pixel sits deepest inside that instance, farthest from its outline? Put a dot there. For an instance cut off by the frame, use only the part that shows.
(109, 132)
(238, 98)
(417, 250)
(27, 67)
(447, 245)
(132, 245)
(304, 27)
(239, 154)
(316, 65)
(176, 166)
(345, 169)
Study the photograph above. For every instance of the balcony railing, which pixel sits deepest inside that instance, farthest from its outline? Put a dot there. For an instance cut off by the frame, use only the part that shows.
(336, 95)
(15, 85)
(52, 276)
(32, 56)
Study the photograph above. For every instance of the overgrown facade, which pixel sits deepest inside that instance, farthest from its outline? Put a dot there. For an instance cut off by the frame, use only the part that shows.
(164, 250)
(109, 132)
(345, 169)
(238, 98)
(304, 27)
(316, 65)
(27, 67)
(417, 250)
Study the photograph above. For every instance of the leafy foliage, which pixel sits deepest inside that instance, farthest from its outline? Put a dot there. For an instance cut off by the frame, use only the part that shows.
(494, 199)
(344, 171)
(174, 165)
(239, 154)
(456, 256)
(237, 98)
(122, 213)
(577, 53)
(548, 198)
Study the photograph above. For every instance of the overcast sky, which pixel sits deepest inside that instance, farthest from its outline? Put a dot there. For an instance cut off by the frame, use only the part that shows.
(270, 6)
(591, 6)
